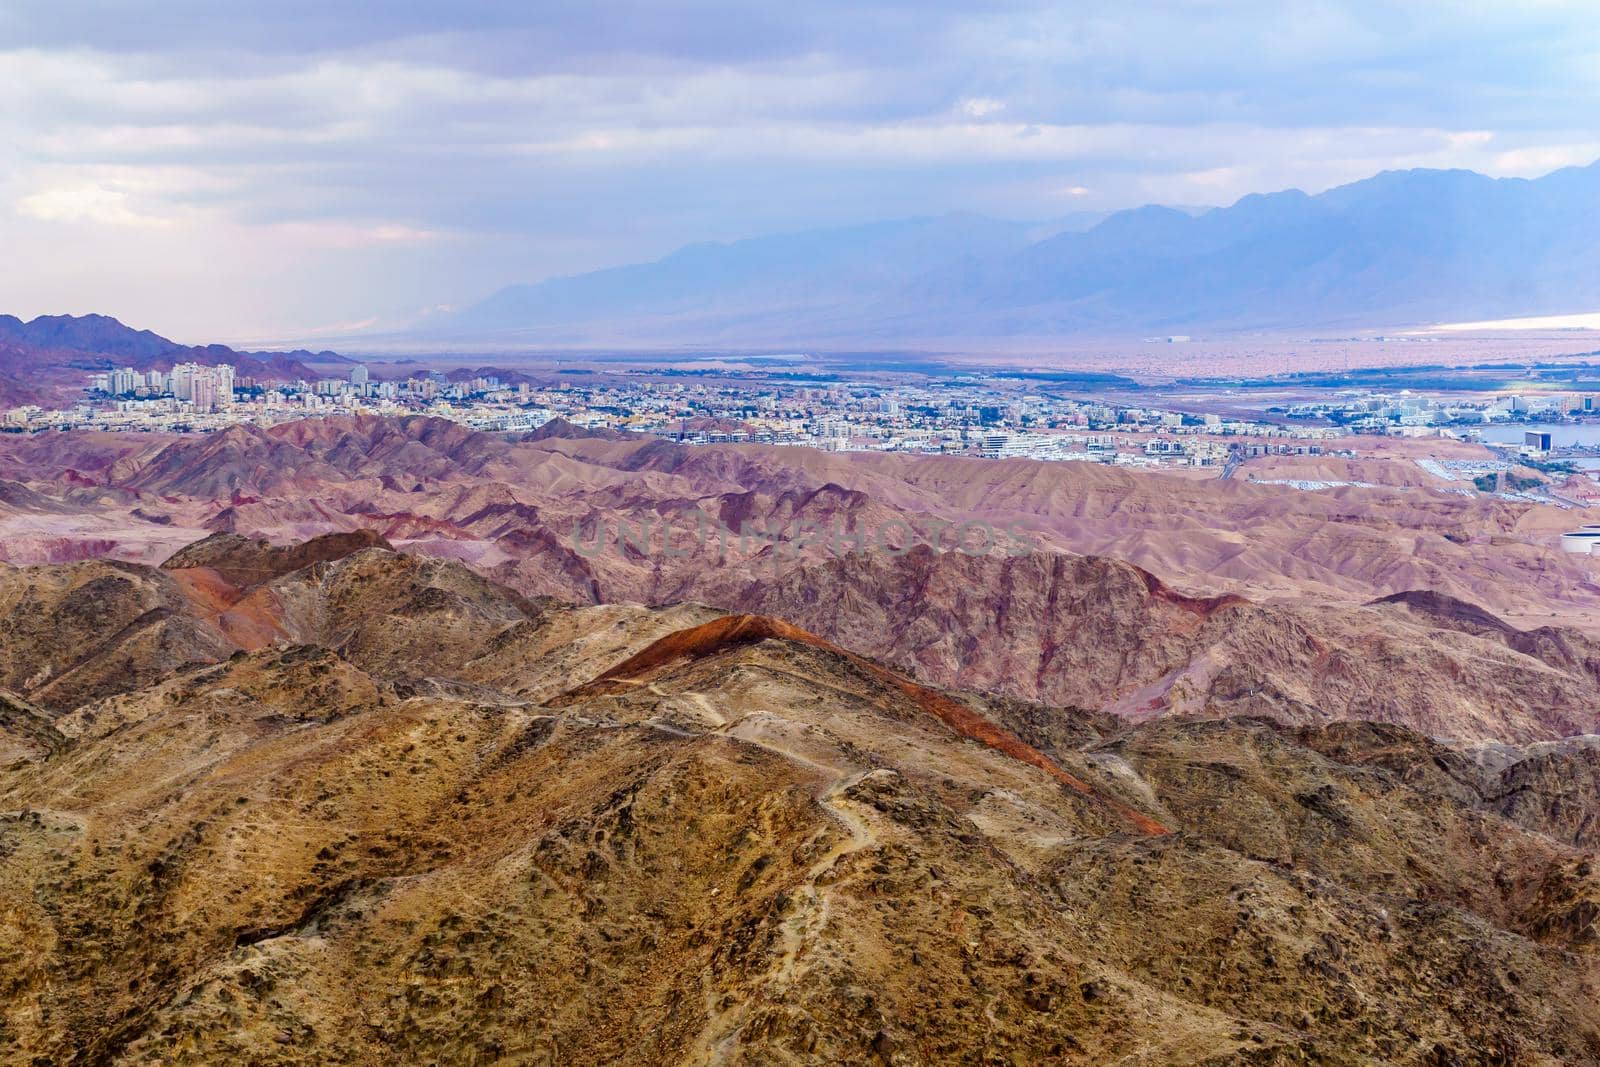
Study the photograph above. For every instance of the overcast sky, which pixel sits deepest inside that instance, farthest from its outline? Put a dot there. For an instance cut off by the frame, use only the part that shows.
(235, 171)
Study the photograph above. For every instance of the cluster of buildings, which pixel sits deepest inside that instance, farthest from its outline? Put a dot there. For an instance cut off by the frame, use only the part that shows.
(199, 397)
(1398, 413)
(997, 416)
(1582, 541)
(966, 415)
(1156, 451)
(204, 388)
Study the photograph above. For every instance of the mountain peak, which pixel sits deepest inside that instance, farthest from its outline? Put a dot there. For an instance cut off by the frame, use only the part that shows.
(92, 333)
(1400, 248)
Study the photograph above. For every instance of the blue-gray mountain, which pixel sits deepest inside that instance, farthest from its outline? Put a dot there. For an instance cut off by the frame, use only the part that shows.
(43, 360)
(1398, 249)
(94, 341)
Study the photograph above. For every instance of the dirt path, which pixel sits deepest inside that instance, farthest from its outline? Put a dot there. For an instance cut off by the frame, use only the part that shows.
(810, 906)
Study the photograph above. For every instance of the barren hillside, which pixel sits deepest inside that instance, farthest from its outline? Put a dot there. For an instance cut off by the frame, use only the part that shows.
(426, 818)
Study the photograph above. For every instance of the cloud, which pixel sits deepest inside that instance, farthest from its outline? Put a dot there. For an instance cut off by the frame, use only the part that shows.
(481, 143)
(978, 107)
(88, 203)
(342, 234)
(1534, 160)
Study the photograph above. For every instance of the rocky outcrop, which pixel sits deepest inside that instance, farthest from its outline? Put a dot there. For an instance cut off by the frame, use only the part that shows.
(247, 562)
(1099, 633)
(26, 732)
(75, 632)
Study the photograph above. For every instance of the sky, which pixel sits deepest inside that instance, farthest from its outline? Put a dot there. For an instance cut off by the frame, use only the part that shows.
(241, 172)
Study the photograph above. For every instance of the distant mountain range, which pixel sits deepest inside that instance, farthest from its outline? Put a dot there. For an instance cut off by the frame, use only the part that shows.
(44, 359)
(1402, 248)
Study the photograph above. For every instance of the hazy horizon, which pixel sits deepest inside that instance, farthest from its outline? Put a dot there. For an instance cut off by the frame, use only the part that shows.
(294, 172)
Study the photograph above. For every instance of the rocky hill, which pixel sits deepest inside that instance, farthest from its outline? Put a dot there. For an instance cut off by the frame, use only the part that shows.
(1100, 633)
(408, 813)
(1138, 594)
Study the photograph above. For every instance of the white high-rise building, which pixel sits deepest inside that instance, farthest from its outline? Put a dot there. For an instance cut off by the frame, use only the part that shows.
(126, 380)
(203, 392)
(183, 381)
(207, 388)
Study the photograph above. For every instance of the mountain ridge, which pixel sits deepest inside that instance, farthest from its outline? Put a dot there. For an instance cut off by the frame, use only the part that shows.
(45, 360)
(435, 820)
(1401, 248)
(1137, 597)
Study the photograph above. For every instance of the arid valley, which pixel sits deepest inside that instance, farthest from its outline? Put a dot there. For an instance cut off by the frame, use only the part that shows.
(346, 739)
